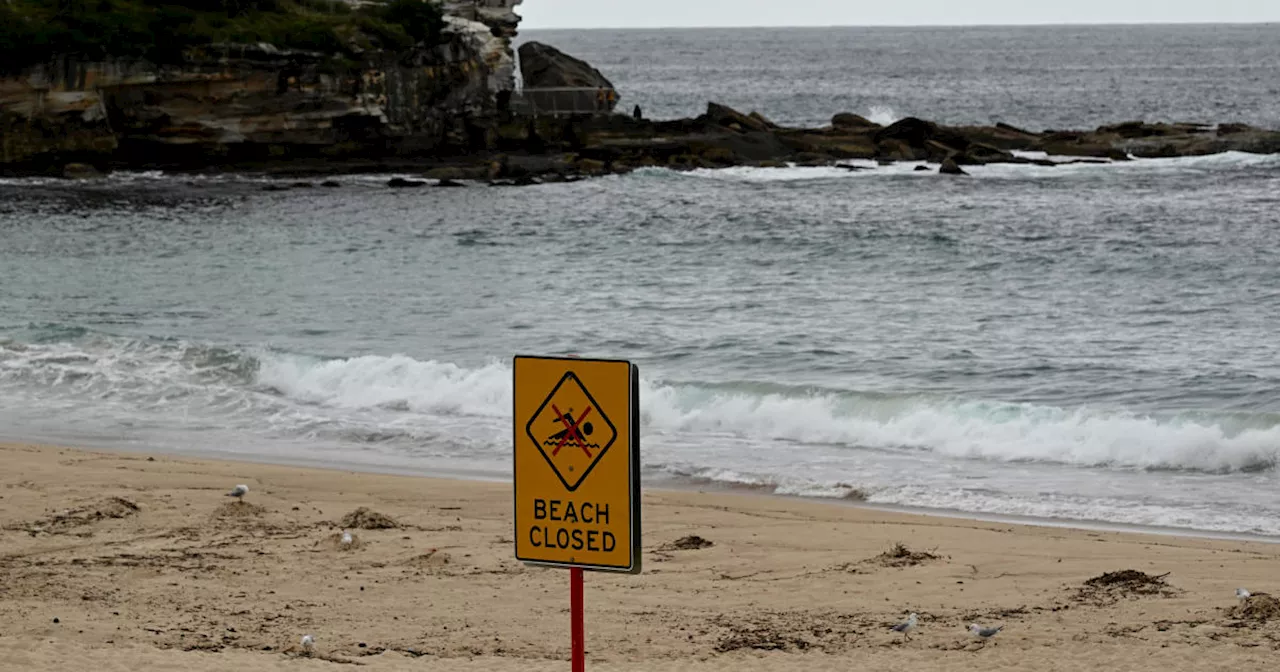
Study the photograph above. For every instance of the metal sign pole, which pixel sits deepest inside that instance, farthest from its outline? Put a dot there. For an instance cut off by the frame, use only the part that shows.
(579, 637)
(575, 614)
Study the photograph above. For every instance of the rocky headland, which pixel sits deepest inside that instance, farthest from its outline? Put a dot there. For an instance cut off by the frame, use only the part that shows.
(435, 94)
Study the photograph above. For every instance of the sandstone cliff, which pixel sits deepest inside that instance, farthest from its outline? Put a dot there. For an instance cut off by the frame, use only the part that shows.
(243, 103)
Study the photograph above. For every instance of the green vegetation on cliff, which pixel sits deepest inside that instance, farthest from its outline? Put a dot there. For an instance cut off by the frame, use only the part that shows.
(39, 31)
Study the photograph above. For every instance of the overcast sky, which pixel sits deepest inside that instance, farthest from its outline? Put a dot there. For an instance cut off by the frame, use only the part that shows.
(692, 13)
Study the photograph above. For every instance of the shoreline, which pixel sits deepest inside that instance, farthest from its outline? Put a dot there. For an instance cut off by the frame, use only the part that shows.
(534, 171)
(533, 150)
(119, 562)
(668, 485)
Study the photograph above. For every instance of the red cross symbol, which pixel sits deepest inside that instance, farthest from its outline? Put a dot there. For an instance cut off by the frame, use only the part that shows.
(572, 430)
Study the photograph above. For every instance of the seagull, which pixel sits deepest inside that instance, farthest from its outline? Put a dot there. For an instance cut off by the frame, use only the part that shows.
(1242, 594)
(239, 491)
(906, 626)
(308, 644)
(346, 538)
(984, 633)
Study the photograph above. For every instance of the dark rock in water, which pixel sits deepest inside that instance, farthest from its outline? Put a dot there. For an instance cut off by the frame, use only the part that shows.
(80, 171)
(1232, 129)
(915, 132)
(500, 168)
(921, 168)
(846, 120)
(400, 183)
(276, 187)
(950, 167)
(542, 66)
(1074, 144)
(722, 115)
(1138, 129)
(1132, 129)
(445, 173)
(977, 154)
(892, 150)
(330, 184)
(301, 185)
(449, 183)
(936, 151)
(760, 118)
(923, 139)
(1001, 136)
(1000, 125)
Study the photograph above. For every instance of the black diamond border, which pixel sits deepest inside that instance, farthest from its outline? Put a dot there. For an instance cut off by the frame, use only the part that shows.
(528, 429)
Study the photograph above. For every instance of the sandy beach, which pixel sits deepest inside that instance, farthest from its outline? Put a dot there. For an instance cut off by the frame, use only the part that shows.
(134, 562)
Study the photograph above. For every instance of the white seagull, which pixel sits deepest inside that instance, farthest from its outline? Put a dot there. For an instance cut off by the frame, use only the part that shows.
(1242, 594)
(308, 644)
(239, 491)
(906, 626)
(346, 538)
(984, 633)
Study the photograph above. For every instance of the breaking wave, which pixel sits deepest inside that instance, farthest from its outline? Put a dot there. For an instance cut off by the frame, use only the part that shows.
(1068, 167)
(882, 114)
(382, 395)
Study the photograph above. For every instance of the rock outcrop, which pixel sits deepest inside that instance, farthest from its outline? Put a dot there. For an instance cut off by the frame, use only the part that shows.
(559, 84)
(498, 15)
(727, 137)
(232, 104)
(950, 167)
(544, 66)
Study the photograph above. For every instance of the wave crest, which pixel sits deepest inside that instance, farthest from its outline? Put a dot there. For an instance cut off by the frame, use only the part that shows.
(399, 393)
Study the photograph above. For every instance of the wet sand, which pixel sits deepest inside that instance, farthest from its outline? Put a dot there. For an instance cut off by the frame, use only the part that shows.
(146, 565)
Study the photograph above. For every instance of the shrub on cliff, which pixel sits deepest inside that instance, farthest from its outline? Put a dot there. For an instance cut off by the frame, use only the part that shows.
(39, 31)
(421, 20)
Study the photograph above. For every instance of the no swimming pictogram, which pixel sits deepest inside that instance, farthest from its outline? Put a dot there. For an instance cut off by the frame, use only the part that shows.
(571, 431)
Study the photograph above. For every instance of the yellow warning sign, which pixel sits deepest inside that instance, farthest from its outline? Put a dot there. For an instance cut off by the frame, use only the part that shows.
(577, 463)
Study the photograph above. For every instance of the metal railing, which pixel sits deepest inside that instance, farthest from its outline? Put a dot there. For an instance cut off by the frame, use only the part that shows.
(563, 101)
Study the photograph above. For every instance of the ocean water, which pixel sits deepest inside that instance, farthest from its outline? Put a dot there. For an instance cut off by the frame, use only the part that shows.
(1086, 342)
(1048, 77)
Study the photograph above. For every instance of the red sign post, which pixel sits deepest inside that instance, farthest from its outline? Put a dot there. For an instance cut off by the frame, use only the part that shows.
(575, 608)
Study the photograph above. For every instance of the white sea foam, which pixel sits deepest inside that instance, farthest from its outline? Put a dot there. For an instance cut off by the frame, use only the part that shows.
(821, 443)
(781, 174)
(883, 115)
(163, 375)
(988, 431)
(391, 382)
(1067, 167)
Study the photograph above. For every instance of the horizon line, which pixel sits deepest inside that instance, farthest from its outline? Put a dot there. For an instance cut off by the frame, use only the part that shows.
(1085, 24)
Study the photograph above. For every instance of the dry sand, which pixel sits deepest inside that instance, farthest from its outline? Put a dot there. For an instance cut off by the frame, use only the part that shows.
(146, 565)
